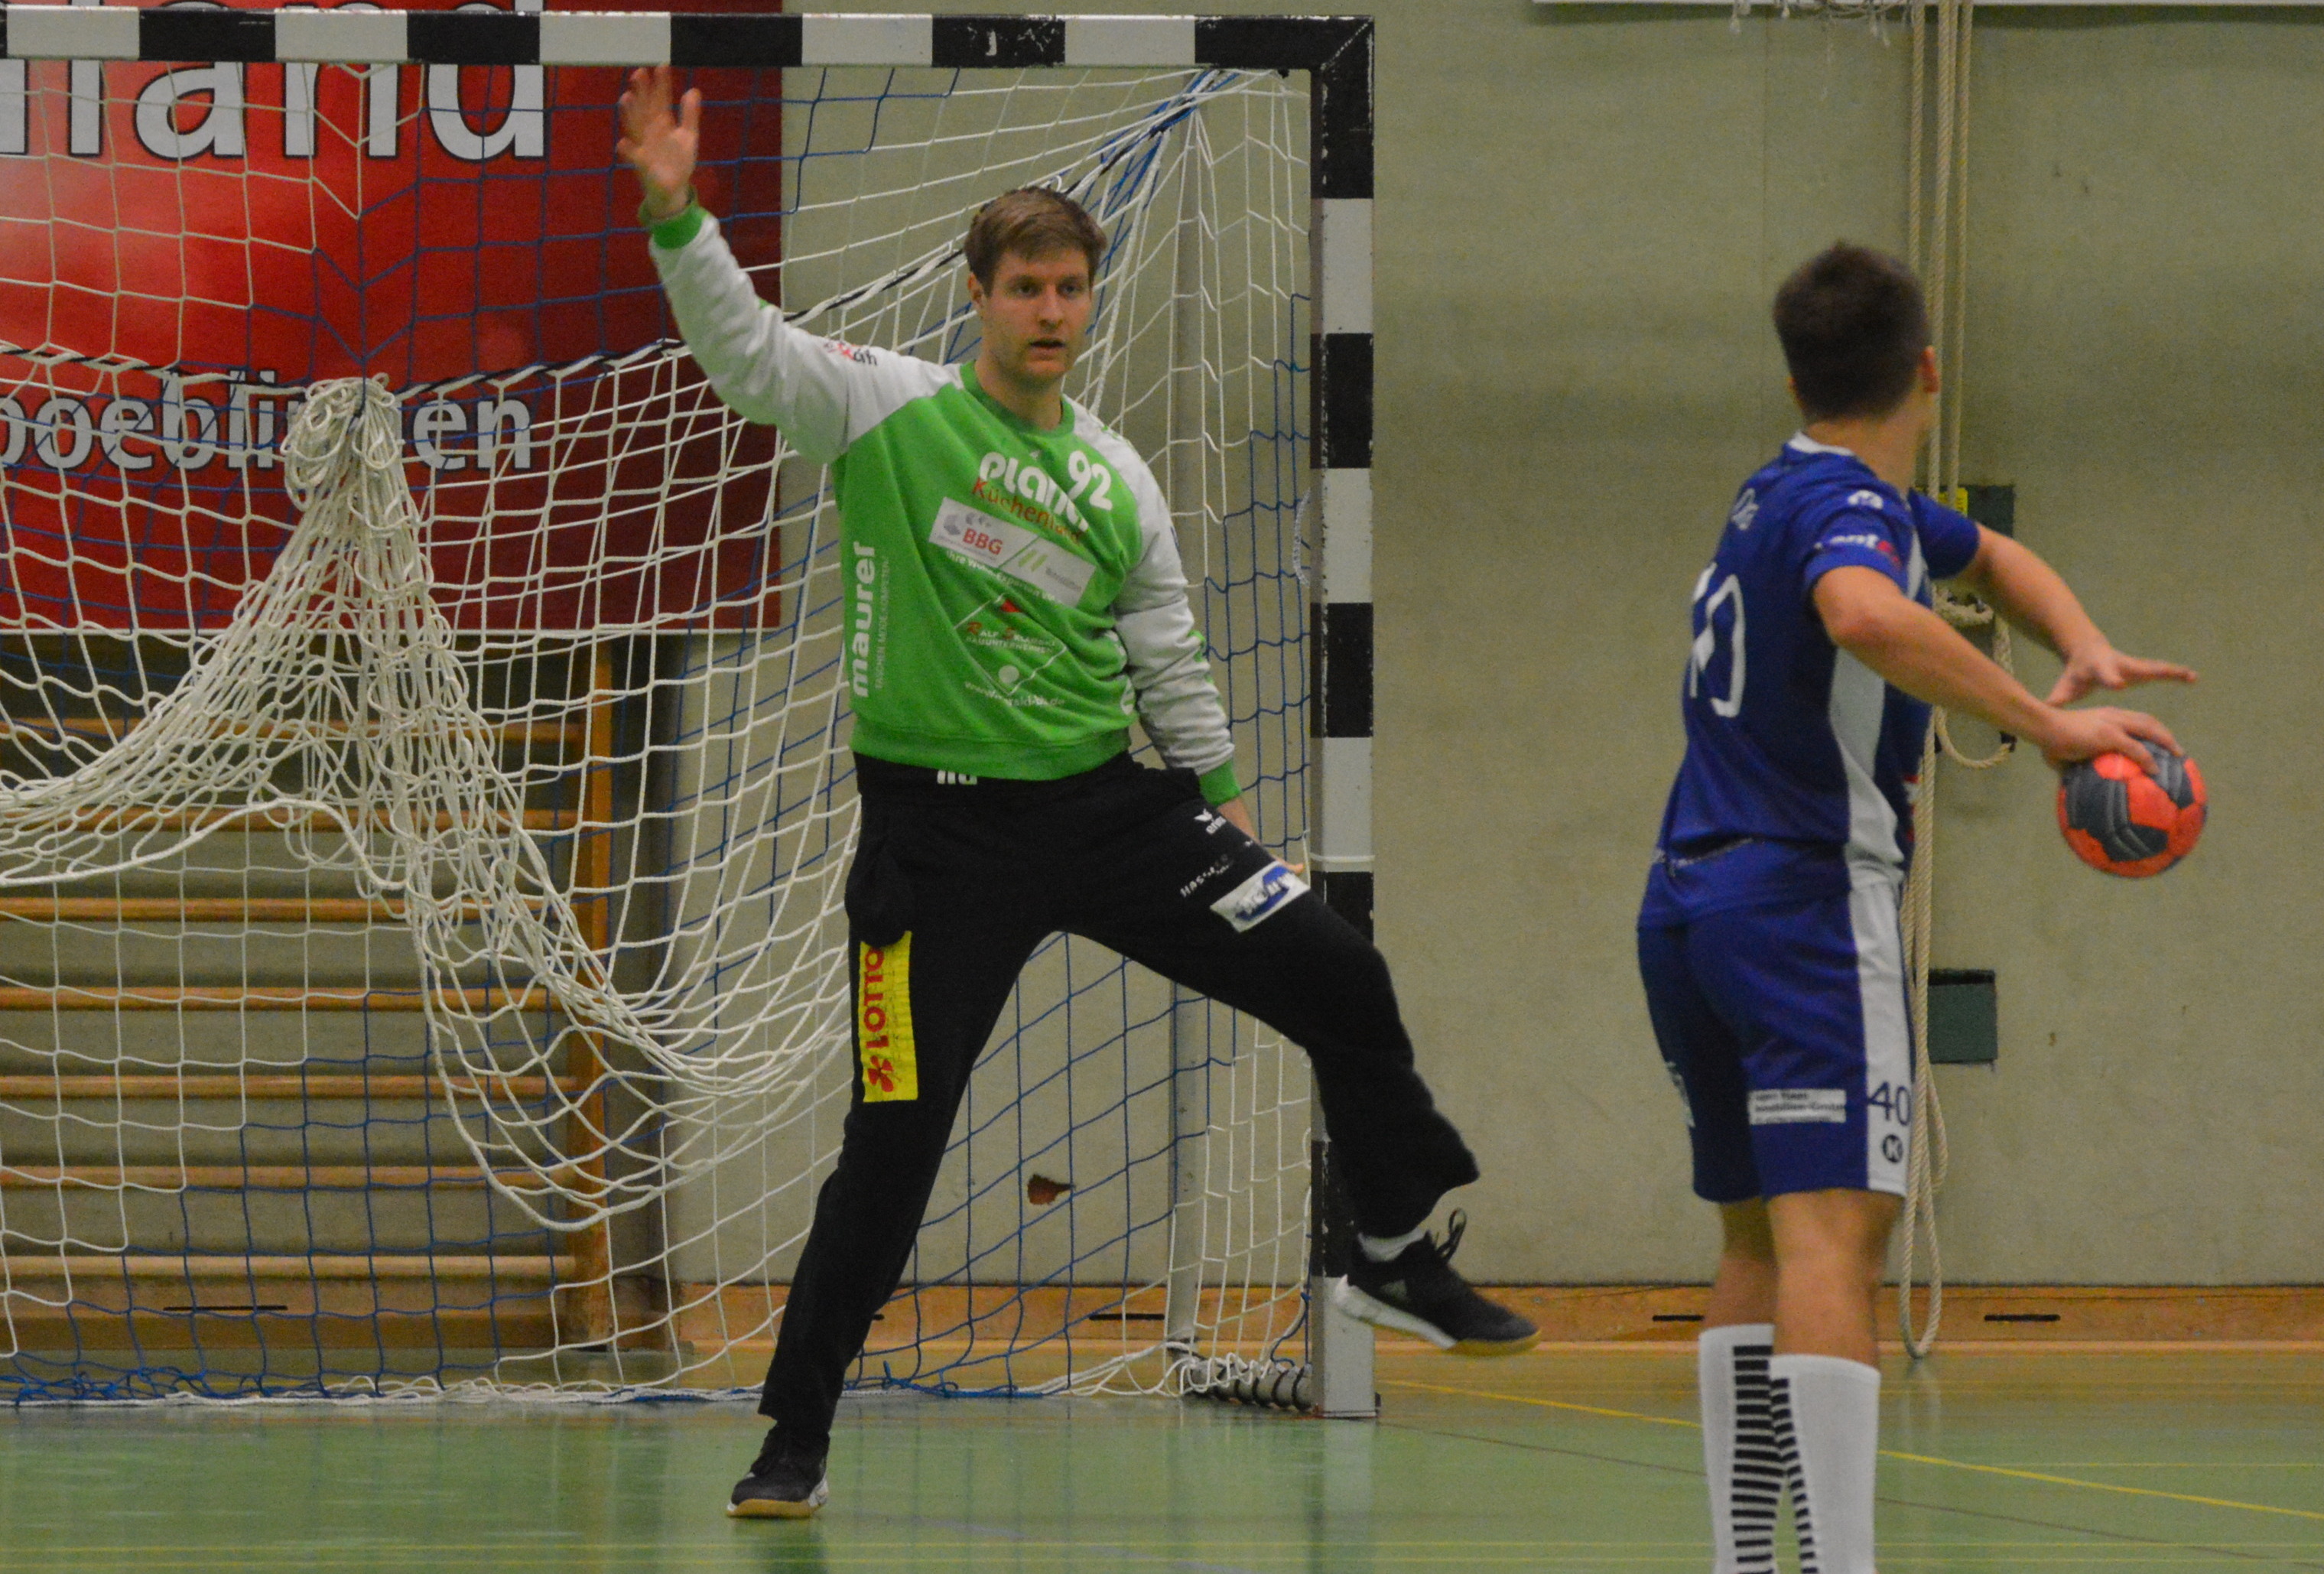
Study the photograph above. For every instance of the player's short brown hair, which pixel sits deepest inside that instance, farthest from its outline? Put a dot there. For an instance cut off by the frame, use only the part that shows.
(1853, 324)
(1031, 222)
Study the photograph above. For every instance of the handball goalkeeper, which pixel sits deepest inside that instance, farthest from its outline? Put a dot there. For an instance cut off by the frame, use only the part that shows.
(1014, 600)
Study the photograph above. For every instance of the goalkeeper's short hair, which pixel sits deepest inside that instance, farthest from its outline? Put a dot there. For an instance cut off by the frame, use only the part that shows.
(1853, 324)
(1031, 222)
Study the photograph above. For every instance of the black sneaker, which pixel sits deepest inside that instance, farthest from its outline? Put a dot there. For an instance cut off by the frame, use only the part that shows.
(784, 1483)
(1417, 1292)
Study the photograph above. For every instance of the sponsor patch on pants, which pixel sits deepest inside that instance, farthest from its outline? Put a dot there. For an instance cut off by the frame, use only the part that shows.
(1799, 1106)
(883, 1022)
(1260, 897)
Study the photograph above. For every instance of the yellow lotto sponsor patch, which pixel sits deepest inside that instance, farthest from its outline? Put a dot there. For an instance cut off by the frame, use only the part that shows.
(883, 1022)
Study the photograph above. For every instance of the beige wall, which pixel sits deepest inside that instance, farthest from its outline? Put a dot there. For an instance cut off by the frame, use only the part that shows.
(1583, 213)
(1572, 390)
(2147, 365)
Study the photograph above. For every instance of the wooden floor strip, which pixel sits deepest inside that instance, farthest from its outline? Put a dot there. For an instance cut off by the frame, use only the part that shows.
(317, 1265)
(260, 1176)
(263, 997)
(214, 910)
(268, 1086)
(119, 727)
(274, 817)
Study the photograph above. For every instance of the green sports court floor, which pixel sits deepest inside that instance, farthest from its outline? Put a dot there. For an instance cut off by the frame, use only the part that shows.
(1565, 1459)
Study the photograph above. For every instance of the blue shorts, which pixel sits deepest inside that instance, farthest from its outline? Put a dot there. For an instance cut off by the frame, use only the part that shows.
(1785, 1029)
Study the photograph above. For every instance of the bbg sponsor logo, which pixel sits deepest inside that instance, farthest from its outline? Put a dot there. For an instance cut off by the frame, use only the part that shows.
(1030, 559)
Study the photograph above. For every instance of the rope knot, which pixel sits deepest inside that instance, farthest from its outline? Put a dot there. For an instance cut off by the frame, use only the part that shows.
(349, 429)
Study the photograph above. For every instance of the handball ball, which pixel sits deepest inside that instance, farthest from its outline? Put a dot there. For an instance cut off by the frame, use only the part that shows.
(2119, 819)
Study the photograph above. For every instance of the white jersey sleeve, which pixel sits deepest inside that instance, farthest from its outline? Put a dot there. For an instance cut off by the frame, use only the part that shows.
(822, 394)
(1177, 700)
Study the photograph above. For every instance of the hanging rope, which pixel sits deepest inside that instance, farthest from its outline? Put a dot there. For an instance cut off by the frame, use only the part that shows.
(1937, 241)
(1925, 1172)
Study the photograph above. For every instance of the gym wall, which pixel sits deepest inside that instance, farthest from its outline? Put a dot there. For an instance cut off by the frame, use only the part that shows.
(1582, 214)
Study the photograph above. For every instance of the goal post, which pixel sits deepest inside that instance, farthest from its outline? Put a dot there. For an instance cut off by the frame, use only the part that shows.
(556, 713)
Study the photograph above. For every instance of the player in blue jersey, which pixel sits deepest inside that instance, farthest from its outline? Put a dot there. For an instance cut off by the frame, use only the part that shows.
(1768, 940)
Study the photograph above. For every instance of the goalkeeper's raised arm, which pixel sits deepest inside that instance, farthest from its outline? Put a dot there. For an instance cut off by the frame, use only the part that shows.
(764, 369)
(954, 482)
(659, 144)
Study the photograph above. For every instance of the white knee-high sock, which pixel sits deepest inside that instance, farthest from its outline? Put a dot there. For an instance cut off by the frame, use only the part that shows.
(1827, 1415)
(1739, 1460)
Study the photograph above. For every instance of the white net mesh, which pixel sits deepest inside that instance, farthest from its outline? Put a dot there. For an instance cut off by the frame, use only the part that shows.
(423, 801)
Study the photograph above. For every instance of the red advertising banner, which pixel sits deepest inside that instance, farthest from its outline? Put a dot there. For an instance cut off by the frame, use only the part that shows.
(183, 248)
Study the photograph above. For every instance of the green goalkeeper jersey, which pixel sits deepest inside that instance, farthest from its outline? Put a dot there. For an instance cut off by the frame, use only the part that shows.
(1013, 595)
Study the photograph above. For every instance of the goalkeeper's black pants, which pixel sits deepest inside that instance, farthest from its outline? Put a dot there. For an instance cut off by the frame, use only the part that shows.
(955, 884)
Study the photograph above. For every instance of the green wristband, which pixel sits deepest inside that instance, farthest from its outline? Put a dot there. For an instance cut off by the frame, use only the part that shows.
(671, 233)
(1218, 784)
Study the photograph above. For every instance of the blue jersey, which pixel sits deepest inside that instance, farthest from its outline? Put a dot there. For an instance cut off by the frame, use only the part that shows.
(1793, 744)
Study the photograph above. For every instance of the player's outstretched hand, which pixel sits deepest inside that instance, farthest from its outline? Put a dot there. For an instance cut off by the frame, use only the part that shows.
(2107, 667)
(2082, 735)
(660, 145)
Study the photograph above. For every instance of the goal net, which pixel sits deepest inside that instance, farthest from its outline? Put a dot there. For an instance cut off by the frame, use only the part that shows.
(424, 791)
